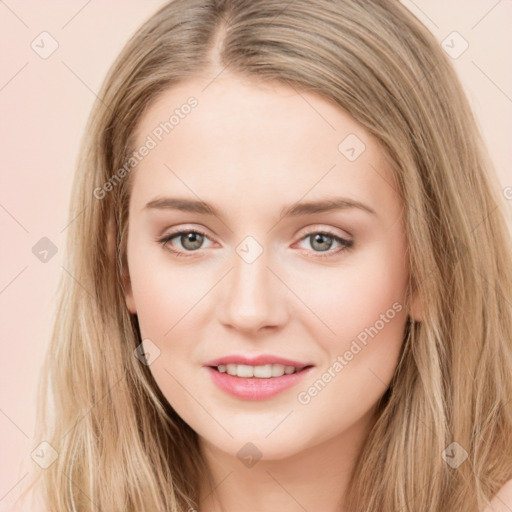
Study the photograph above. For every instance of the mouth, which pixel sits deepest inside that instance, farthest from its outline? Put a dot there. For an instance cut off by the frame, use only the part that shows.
(266, 371)
(262, 382)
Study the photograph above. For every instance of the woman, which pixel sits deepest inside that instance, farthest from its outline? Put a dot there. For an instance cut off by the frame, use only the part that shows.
(289, 278)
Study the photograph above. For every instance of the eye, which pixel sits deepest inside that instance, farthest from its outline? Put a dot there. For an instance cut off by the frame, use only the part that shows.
(191, 240)
(322, 241)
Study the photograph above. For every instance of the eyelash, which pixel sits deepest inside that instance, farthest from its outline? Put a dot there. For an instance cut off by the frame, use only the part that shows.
(345, 244)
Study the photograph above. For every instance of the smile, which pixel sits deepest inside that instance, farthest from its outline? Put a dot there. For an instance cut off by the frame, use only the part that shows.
(256, 382)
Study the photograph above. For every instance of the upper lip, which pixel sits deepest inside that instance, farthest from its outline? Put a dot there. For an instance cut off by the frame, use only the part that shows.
(257, 361)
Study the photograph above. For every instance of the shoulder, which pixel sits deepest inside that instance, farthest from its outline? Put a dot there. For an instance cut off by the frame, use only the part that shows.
(502, 501)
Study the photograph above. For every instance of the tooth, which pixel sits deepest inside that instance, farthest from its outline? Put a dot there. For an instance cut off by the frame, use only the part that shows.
(277, 370)
(231, 369)
(263, 372)
(244, 370)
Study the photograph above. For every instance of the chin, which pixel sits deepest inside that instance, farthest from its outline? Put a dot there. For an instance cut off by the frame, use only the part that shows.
(258, 445)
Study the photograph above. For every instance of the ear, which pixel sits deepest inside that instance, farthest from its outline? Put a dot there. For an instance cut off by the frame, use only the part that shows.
(127, 290)
(125, 275)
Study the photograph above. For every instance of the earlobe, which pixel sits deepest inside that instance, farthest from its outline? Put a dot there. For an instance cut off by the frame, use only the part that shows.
(127, 287)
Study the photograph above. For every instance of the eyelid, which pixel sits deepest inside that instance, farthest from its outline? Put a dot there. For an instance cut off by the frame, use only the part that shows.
(178, 228)
(322, 228)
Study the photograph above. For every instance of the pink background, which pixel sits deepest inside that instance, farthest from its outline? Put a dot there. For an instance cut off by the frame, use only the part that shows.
(44, 106)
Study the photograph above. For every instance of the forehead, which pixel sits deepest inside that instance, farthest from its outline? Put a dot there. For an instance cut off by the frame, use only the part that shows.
(268, 140)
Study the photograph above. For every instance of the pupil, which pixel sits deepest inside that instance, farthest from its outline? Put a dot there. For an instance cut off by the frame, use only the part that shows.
(195, 239)
(321, 239)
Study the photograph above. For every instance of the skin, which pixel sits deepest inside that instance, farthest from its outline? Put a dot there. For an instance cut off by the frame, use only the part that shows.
(250, 150)
(502, 502)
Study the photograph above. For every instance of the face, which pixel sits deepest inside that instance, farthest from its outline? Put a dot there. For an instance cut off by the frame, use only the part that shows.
(263, 275)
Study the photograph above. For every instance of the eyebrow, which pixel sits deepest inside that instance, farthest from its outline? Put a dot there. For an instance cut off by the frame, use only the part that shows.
(293, 210)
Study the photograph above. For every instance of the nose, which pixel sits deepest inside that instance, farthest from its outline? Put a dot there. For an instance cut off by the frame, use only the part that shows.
(253, 297)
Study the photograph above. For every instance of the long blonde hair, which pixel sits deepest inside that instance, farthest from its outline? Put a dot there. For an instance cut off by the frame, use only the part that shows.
(120, 444)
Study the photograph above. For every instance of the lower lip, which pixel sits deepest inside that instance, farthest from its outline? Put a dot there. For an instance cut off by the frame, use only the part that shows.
(255, 388)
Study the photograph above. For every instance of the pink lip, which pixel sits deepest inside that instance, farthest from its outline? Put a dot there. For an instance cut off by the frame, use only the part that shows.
(256, 361)
(255, 388)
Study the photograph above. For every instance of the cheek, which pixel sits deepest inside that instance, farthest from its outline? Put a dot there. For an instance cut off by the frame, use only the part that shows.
(156, 305)
(366, 285)
(168, 307)
(173, 311)
(365, 309)
(362, 300)
(363, 305)
(164, 293)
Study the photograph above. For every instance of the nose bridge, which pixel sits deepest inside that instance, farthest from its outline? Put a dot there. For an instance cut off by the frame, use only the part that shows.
(252, 300)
